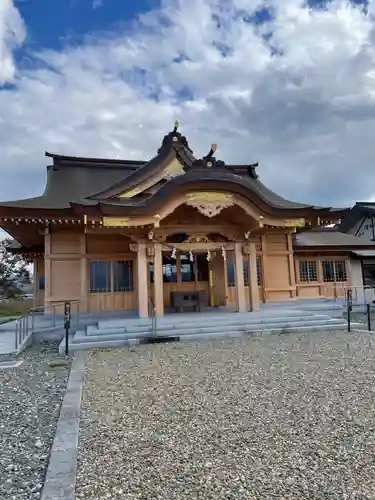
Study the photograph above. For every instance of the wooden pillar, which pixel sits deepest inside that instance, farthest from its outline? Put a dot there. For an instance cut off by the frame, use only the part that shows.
(240, 282)
(158, 280)
(292, 270)
(35, 282)
(142, 287)
(265, 269)
(253, 279)
(47, 270)
(84, 277)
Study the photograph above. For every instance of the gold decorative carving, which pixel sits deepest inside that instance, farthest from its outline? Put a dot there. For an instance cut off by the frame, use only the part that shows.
(115, 222)
(156, 218)
(131, 193)
(197, 239)
(173, 169)
(294, 223)
(133, 247)
(209, 203)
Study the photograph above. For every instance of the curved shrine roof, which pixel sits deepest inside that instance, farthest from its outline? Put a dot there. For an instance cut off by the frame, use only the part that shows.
(74, 183)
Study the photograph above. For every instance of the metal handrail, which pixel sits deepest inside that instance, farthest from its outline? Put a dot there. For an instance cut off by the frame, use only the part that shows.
(61, 303)
(355, 289)
(152, 314)
(25, 327)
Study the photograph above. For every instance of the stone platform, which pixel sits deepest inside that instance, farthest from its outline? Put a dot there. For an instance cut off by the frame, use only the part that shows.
(211, 324)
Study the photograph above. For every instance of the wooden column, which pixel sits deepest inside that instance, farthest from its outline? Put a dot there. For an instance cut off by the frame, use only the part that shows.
(84, 276)
(47, 269)
(253, 280)
(158, 280)
(142, 281)
(35, 282)
(264, 276)
(292, 270)
(240, 282)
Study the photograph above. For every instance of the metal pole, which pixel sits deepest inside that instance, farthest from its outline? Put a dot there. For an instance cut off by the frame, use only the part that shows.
(66, 341)
(349, 313)
(16, 335)
(368, 317)
(349, 302)
(67, 319)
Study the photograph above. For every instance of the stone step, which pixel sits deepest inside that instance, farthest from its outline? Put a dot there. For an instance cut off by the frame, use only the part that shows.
(81, 336)
(177, 324)
(193, 337)
(197, 318)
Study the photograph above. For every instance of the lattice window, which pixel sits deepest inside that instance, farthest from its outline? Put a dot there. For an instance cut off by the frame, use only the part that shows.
(259, 270)
(334, 270)
(246, 271)
(230, 270)
(111, 276)
(307, 271)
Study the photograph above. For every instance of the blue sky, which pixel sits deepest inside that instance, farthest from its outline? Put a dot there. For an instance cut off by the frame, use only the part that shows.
(288, 83)
(54, 23)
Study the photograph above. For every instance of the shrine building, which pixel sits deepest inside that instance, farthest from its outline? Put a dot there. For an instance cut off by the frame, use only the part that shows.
(120, 234)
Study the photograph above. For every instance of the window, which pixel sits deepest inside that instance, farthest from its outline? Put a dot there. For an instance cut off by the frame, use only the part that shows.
(187, 269)
(169, 270)
(334, 270)
(307, 271)
(122, 275)
(41, 283)
(111, 276)
(231, 271)
(246, 272)
(259, 270)
(100, 276)
(202, 267)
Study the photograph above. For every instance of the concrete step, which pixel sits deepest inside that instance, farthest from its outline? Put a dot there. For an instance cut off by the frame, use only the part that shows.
(198, 318)
(209, 322)
(81, 336)
(194, 337)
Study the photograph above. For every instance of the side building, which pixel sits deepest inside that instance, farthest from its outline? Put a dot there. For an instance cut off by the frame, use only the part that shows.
(360, 221)
(117, 235)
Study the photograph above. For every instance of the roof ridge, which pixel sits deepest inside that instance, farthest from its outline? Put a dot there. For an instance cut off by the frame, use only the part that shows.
(93, 160)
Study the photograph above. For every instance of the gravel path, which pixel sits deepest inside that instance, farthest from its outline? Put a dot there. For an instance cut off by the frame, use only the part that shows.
(30, 399)
(276, 417)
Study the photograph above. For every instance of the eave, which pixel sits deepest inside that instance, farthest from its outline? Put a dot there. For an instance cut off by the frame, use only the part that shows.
(360, 209)
(61, 160)
(330, 248)
(190, 182)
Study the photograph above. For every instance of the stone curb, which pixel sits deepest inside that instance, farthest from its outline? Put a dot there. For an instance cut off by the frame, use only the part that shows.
(60, 480)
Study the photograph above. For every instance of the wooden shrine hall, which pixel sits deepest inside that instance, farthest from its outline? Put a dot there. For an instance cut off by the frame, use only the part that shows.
(178, 230)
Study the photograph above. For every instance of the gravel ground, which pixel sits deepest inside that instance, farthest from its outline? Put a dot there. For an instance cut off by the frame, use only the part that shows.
(274, 417)
(30, 399)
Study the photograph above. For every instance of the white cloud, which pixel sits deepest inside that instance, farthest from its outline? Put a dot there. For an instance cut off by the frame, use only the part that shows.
(297, 94)
(12, 34)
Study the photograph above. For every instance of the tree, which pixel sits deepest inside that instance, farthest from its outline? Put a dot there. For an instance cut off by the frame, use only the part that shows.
(13, 272)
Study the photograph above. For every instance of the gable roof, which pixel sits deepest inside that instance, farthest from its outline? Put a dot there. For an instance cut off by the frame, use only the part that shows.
(360, 210)
(329, 237)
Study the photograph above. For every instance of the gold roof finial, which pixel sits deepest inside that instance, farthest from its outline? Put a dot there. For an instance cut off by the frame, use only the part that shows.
(176, 125)
(214, 147)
